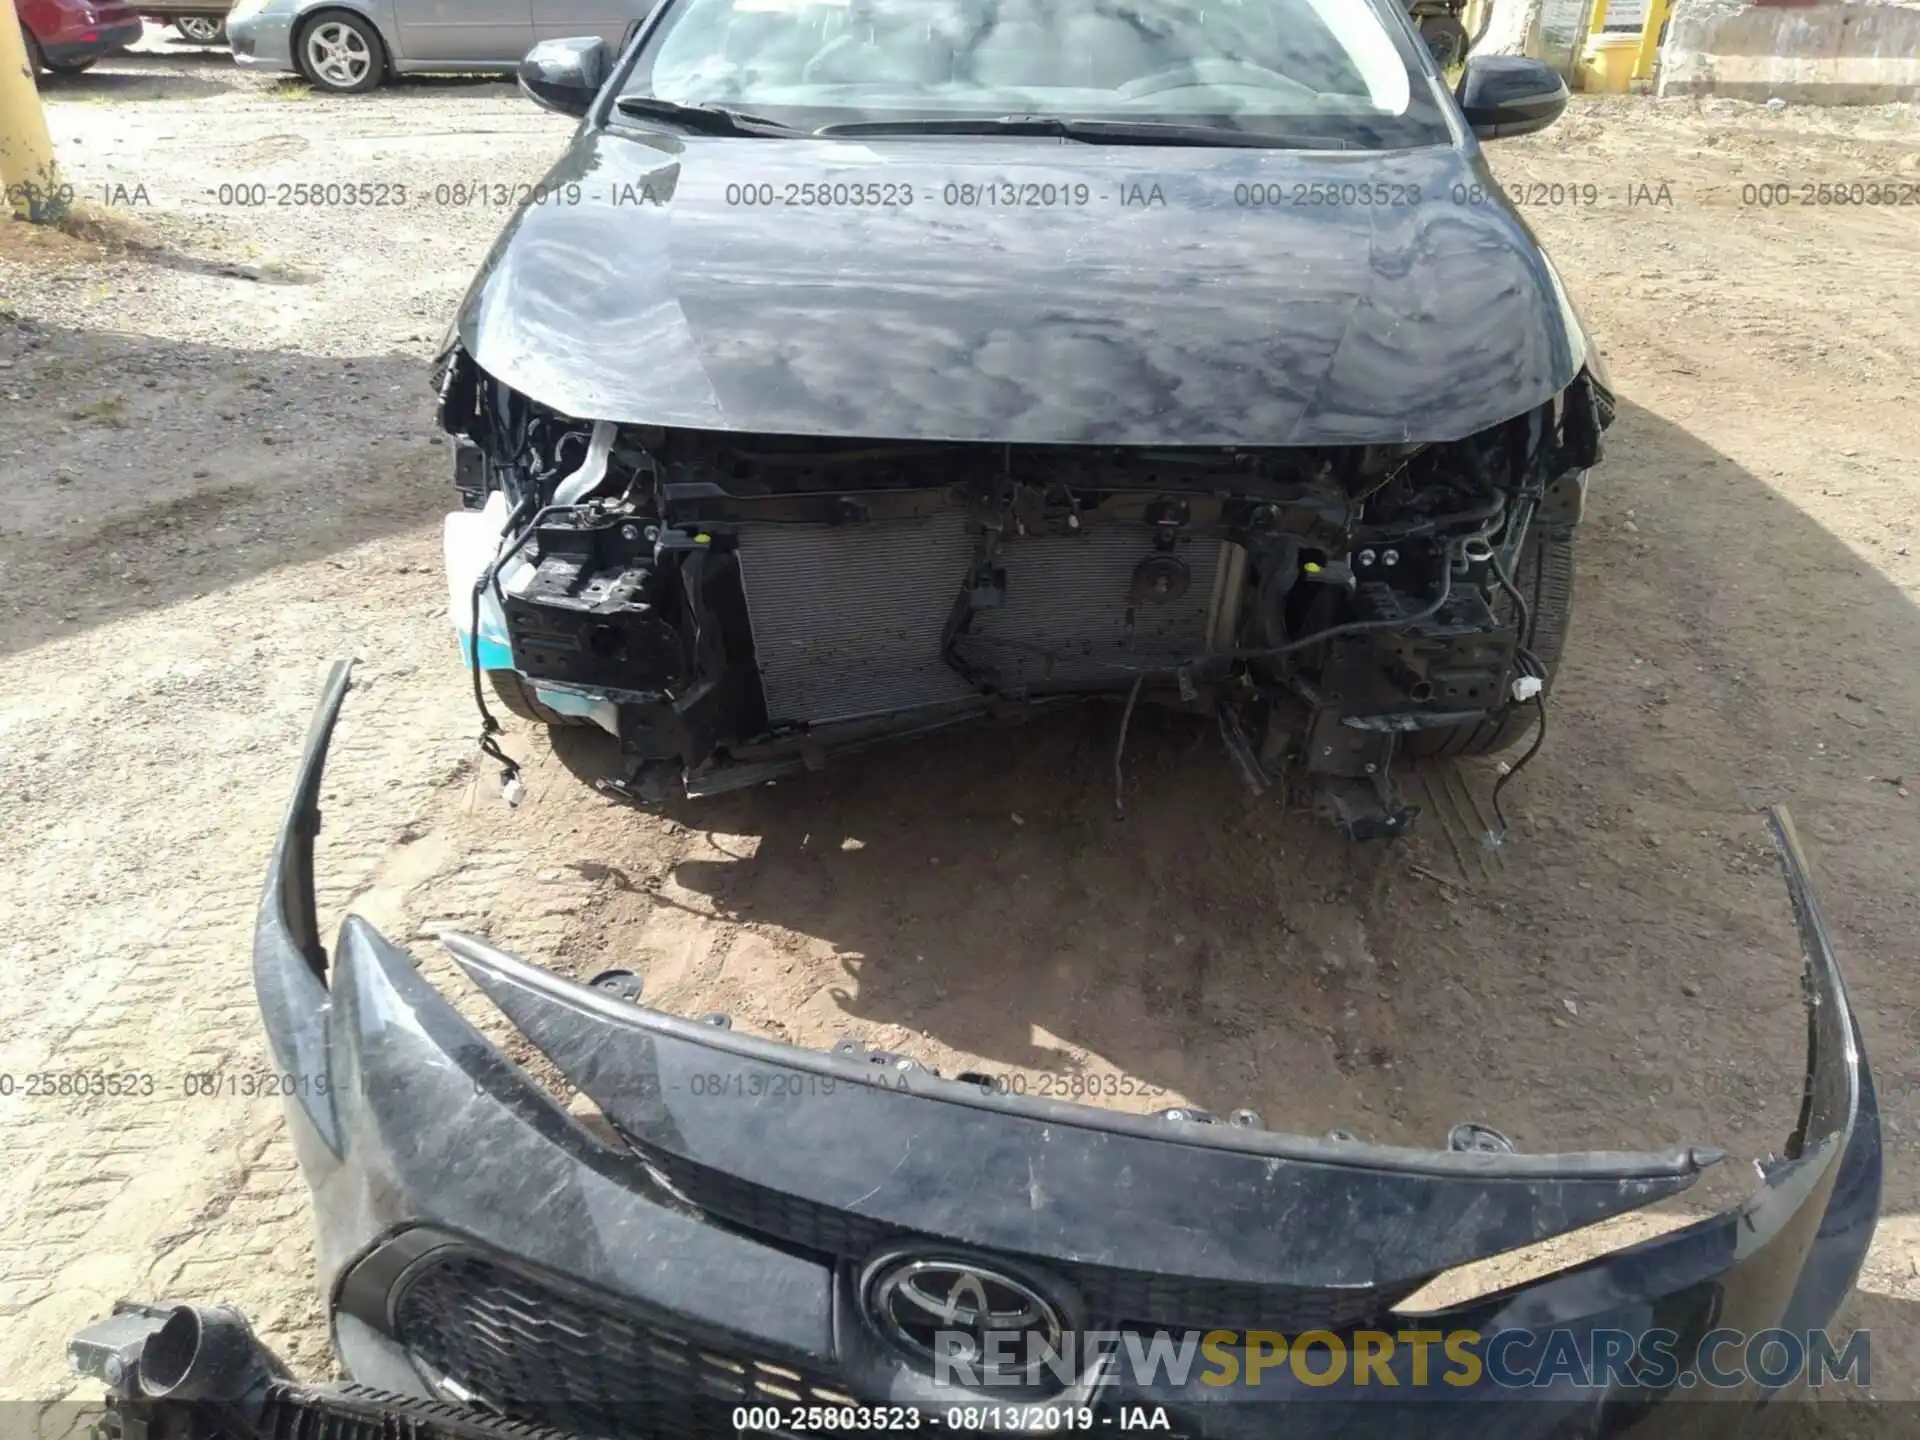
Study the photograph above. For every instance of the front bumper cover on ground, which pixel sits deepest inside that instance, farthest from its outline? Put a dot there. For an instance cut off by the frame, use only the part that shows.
(478, 1244)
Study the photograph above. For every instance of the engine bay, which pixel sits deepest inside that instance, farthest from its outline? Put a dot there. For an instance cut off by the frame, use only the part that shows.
(739, 606)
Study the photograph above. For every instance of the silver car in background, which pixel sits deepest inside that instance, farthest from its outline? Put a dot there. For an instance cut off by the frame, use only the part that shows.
(352, 45)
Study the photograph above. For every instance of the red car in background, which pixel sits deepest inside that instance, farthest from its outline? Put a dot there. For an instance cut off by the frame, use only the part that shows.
(66, 36)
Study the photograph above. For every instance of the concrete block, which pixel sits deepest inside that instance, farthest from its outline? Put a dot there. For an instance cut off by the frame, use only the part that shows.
(1838, 54)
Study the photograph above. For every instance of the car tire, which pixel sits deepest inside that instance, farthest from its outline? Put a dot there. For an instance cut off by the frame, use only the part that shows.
(341, 52)
(1447, 38)
(201, 29)
(36, 57)
(1545, 577)
(68, 67)
(510, 687)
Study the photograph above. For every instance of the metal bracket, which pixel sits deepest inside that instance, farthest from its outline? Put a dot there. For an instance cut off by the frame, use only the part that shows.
(852, 1047)
(1364, 808)
(1241, 752)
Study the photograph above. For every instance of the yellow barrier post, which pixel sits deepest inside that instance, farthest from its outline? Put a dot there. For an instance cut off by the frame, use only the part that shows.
(29, 181)
(1650, 39)
(1606, 61)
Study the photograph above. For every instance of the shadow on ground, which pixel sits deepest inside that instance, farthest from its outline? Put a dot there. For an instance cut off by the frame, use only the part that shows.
(1628, 977)
(116, 79)
(152, 471)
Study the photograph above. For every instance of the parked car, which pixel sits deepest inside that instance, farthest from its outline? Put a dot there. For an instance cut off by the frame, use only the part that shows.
(65, 37)
(198, 22)
(353, 45)
(1254, 398)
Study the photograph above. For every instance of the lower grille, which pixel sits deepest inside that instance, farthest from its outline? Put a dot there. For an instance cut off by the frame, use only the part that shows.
(347, 1411)
(543, 1354)
(540, 1353)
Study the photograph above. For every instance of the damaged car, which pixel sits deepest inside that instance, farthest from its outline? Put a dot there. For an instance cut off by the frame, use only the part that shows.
(739, 1236)
(867, 367)
(873, 367)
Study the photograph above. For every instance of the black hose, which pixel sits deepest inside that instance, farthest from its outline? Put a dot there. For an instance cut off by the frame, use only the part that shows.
(490, 727)
(1402, 533)
(1120, 750)
(1531, 662)
(519, 542)
(1525, 630)
(1539, 739)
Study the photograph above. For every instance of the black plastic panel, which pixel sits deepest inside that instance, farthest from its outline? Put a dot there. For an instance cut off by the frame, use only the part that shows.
(1057, 1184)
(545, 1352)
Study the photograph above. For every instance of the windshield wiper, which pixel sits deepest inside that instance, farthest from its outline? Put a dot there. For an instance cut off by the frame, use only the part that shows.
(1067, 127)
(702, 119)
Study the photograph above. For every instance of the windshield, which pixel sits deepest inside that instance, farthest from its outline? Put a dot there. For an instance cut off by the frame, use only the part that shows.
(1339, 70)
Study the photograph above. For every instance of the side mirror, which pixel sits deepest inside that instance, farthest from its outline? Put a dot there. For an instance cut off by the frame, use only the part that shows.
(565, 75)
(1505, 95)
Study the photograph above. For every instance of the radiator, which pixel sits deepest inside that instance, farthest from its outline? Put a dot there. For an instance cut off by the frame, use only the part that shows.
(847, 619)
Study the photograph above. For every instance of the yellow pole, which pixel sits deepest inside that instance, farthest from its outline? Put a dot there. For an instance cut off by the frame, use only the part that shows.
(1599, 21)
(29, 181)
(1650, 39)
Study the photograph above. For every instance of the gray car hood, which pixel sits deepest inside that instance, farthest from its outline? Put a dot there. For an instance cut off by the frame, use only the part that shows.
(1365, 298)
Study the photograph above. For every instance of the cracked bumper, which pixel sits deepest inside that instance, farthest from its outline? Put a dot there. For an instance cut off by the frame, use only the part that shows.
(477, 1243)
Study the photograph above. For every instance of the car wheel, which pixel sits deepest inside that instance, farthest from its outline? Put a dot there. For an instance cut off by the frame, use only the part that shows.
(68, 67)
(202, 29)
(341, 52)
(512, 690)
(1448, 40)
(1545, 577)
(36, 57)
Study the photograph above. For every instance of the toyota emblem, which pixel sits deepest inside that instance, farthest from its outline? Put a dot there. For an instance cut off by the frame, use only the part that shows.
(930, 1307)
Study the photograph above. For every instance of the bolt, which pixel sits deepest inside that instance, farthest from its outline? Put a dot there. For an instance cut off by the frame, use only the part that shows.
(1390, 557)
(1371, 767)
(1366, 557)
(630, 532)
(113, 1370)
(1328, 750)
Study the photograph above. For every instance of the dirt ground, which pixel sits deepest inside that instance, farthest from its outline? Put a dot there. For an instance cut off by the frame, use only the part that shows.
(221, 475)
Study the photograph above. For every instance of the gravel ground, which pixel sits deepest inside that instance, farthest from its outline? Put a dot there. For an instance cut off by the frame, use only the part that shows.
(215, 424)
